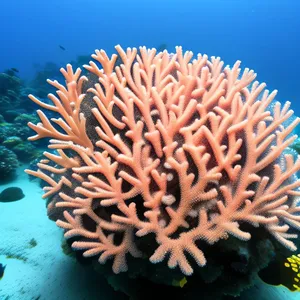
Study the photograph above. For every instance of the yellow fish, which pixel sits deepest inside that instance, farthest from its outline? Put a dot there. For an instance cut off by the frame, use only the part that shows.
(181, 283)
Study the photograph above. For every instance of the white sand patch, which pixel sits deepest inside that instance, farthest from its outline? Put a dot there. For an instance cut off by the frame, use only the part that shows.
(42, 272)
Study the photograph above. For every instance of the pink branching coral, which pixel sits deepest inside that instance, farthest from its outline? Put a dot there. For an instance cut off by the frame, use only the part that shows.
(182, 148)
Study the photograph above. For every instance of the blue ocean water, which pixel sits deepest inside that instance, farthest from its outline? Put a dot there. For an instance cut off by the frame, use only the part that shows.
(263, 34)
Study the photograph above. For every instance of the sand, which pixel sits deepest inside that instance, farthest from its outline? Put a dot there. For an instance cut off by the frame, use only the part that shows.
(43, 271)
(37, 268)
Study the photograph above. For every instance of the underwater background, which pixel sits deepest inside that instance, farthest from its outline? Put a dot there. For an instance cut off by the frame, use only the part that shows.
(40, 37)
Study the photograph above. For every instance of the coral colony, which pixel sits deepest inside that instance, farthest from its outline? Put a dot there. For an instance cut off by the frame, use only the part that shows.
(184, 149)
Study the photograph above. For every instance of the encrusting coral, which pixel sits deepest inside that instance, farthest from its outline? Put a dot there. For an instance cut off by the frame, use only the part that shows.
(185, 149)
(292, 279)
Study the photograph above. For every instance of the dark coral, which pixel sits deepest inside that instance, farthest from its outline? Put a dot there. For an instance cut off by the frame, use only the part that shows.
(8, 163)
(11, 194)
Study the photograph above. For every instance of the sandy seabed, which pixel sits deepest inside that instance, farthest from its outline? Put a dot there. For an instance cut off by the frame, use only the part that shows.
(37, 268)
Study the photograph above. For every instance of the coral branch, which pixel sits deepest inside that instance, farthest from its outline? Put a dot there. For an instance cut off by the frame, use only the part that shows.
(161, 143)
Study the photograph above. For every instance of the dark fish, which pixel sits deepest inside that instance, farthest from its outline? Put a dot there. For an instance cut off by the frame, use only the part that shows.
(2, 268)
(162, 47)
(61, 47)
(11, 194)
(15, 70)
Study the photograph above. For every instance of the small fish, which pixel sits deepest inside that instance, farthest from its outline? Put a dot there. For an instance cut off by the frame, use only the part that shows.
(2, 268)
(61, 47)
(162, 47)
(15, 70)
(180, 283)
